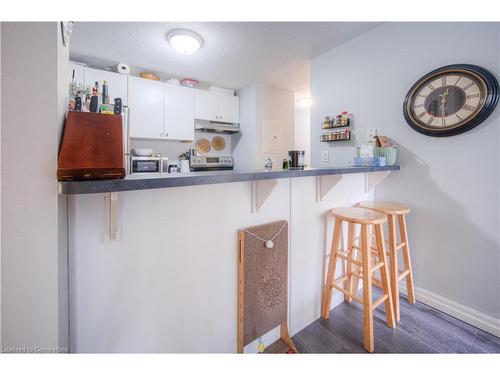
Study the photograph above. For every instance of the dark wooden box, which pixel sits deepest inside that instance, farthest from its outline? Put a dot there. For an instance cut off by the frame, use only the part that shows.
(91, 147)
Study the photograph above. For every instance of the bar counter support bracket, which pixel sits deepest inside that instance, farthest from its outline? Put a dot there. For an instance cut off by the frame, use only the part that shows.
(372, 179)
(113, 216)
(261, 190)
(324, 184)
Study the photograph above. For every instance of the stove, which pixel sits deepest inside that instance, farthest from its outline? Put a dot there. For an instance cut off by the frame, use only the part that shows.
(211, 163)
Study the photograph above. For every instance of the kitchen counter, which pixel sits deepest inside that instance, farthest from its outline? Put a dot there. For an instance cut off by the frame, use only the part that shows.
(203, 178)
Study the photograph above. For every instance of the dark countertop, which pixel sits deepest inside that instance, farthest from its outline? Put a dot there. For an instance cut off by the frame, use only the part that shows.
(146, 182)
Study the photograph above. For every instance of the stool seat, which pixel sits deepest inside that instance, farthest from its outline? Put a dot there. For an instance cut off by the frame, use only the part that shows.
(359, 215)
(388, 208)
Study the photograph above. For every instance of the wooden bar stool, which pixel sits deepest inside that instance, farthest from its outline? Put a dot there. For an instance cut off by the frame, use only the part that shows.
(361, 266)
(396, 211)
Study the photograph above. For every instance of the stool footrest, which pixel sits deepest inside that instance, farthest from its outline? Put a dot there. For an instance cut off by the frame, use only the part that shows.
(379, 301)
(347, 293)
(377, 266)
(347, 258)
(403, 274)
(399, 246)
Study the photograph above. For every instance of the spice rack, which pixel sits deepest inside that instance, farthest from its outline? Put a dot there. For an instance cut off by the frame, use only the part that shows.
(338, 128)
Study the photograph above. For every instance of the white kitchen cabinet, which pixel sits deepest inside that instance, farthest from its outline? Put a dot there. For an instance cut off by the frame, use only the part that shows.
(228, 108)
(117, 83)
(146, 103)
(206, 105)
(179, 112)
(214, 106)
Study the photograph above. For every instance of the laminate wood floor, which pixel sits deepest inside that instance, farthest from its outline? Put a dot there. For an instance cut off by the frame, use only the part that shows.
(422, 329)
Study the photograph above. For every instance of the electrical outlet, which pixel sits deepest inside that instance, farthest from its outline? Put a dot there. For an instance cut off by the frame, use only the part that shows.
(370, 134)
(325, 156)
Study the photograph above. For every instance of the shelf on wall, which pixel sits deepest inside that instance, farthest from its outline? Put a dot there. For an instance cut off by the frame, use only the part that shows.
(334, 140)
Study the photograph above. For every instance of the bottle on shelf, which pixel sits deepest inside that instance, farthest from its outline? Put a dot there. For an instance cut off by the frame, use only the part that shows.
(105, 95)
(344, 119)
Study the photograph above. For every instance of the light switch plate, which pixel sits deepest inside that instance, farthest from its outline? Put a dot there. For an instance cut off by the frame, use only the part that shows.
(370, 134)
(325, 156)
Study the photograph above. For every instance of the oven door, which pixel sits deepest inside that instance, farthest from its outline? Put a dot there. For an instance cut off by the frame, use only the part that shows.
(140, 166)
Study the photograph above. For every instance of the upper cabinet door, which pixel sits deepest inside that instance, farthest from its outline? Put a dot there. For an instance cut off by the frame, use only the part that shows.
(117, 83)
(146, 101)
(229, 108)
(205, 105)
(179, 112)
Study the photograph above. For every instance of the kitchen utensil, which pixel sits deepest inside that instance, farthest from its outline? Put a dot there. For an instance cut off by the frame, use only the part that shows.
(296, 159)
(189, 82)
(218, 143)
(150, 76)
(203, 145)
(143, 151)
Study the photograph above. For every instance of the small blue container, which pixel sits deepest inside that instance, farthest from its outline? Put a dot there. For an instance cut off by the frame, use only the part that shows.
(369, 162)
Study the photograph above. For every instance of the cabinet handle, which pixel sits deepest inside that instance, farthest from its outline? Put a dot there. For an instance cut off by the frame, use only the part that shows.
(166, 134)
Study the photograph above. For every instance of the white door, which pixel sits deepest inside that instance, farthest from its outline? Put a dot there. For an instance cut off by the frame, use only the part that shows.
(146, 101)
(229, 108)
(117, 83)
(179, 112)
(205, 105)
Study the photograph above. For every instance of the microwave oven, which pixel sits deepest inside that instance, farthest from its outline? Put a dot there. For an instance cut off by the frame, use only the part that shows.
(148, 165)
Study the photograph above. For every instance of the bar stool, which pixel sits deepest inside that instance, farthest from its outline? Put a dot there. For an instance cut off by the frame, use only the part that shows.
(396, 211)
(361, 266)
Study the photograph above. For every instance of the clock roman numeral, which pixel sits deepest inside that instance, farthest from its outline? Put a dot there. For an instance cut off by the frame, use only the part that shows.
(443, 121)
(443, 80)
(421, 115)
(422, 96)
(418, 106)
(459, 78)
(468, 107)
(430, 86)
(469, 86)
(472, 96)
(430, 121)
(459, 118)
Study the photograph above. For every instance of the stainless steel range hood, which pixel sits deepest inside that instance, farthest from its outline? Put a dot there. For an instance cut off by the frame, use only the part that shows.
(217, 127)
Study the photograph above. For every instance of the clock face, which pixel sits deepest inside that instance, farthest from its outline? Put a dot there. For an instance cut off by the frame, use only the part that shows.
(448, 100)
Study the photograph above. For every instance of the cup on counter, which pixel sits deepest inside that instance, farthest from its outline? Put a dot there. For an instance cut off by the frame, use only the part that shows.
(296, 159)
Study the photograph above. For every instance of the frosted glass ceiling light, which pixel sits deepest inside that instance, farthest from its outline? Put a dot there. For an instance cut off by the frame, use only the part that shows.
(184, 41)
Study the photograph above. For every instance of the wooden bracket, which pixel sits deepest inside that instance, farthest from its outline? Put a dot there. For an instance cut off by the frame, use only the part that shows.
(113, 222)
(326, 183)
(261, 190)
(372, 179)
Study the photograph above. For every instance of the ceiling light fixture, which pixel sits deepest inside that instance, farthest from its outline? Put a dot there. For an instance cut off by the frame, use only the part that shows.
(184, 41)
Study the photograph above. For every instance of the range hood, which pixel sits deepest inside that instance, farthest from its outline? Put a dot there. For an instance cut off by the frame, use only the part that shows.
(216, 127)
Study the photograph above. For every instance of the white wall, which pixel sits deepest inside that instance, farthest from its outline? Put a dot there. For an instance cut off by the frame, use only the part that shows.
(170, 284)
(302, 137)
(34, 246)
(451, 184)
(260, 105)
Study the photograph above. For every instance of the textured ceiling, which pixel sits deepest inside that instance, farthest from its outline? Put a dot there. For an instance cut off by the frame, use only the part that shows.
(234, 53)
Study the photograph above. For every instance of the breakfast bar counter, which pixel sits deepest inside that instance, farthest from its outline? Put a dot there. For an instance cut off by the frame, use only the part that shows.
(146, 182)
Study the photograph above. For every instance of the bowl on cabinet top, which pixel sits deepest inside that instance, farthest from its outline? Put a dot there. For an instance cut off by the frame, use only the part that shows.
(143, 151)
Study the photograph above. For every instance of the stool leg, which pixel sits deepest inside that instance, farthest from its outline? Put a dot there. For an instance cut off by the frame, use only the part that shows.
(330, 276)
(391, 223)
(367, 289)
(403, 233)
(349, 266)
(384, 273)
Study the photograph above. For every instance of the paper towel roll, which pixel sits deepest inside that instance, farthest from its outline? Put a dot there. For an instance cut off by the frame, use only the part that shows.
(123, 68)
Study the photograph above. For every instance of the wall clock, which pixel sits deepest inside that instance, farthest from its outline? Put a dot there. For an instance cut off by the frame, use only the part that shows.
(451, 100)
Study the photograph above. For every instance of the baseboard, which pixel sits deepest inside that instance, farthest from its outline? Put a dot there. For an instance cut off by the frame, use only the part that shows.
(473, 317)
